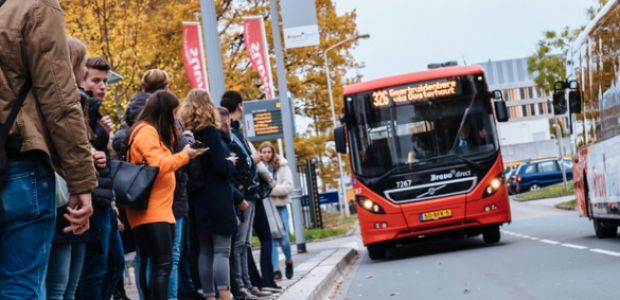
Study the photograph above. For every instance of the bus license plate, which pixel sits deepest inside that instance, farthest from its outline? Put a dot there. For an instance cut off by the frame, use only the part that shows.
(435, 215)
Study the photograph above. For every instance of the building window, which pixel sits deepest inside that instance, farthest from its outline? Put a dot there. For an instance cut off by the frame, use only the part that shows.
(524, 110)
(533, 109)
(530, 91)
(506, 96)
(521, 93)
(549, 109)
(540, 109)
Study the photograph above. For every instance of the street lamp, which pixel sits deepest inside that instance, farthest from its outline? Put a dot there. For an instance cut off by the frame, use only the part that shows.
(341, 192)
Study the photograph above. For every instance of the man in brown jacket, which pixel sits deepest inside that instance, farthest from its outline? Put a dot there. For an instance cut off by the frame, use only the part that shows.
(49, 131)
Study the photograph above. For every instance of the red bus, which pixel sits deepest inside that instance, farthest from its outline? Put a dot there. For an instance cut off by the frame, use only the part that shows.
(425, 157)
(594, 107)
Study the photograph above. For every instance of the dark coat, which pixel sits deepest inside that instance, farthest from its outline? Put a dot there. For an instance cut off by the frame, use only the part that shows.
(180, 207)
(135, 107)
(213, 206)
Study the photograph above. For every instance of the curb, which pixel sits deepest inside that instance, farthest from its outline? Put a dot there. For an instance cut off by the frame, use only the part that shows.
(317, 283)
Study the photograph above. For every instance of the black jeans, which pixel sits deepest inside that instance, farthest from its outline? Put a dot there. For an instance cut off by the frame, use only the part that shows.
(261, 227)
(154, 243)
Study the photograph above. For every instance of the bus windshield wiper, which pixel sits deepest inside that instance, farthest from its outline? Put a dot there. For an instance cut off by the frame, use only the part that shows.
(390, 172)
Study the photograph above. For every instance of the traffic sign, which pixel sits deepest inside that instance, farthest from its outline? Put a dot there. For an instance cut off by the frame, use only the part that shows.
(324, 198)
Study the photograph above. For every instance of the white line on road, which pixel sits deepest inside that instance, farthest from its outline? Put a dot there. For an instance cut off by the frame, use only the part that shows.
(525, 236)
(550, 242)
(606, 252)
(534, 238)
(574, 246)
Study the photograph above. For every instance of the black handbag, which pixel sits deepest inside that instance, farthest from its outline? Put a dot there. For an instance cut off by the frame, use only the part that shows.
(132, 183)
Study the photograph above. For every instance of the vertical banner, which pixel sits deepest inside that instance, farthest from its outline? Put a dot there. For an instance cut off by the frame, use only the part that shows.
(193, 56)
(256, 45)
(301, 28)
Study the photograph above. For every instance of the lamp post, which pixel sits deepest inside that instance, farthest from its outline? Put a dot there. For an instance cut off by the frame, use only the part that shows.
(558, 134)
(343, 205)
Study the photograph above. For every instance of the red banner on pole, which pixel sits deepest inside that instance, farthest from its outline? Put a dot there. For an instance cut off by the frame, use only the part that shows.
(256, 45)
(193, 55)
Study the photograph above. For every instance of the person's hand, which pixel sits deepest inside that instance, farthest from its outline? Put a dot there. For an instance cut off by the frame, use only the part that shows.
(121, 226)
(99, 158)
(79, 209)
(193, 153)
(256, 157)
(107, 124)
(232, 159)
(243, 205)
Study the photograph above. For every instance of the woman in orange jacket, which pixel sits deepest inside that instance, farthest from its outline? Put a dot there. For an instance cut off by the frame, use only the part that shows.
(152, 137)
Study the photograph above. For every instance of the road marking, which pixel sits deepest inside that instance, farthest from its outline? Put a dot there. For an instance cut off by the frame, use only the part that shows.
(534, 238)
(606, 252)
(549, 242)
(574, 246)
(525, 236)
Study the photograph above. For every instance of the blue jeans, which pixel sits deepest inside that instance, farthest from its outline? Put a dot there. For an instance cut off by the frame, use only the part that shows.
(242, 242)
(185, 278)
(64, 269)
(27, 216)
(96, 261)
(173, 288)
(284, 242)
(116, 261)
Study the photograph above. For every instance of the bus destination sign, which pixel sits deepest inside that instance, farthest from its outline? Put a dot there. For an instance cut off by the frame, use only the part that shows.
(263, 120)
(415, 92)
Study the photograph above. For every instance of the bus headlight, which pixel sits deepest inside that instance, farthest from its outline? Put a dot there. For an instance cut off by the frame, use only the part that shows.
(369, 205)
(494, 185)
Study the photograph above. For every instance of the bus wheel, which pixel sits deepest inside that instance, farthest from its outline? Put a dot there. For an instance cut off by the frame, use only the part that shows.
(376, 251)
(491, 235)
(604, 229)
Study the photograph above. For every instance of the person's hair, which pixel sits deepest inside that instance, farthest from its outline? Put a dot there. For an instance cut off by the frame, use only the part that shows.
(198, 111)
(98, 63)
(275, 159)
(159, 112)
(223, 111)
(77, 55)
(231, 100)
(154, 80)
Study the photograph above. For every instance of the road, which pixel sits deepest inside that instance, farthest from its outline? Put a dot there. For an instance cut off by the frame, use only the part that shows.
(544, 254)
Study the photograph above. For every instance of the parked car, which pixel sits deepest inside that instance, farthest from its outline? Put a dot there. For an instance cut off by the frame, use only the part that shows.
(533, 175)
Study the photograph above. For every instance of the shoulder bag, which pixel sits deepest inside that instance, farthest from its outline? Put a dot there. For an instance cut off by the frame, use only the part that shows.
(132, 183)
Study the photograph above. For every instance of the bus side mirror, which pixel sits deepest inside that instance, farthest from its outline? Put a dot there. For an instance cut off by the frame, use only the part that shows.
(559, 98)
(501, 111)
(340, 139)
(574, 97)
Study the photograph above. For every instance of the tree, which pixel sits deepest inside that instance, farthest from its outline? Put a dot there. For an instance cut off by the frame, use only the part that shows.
(138, 35)
(548, 63)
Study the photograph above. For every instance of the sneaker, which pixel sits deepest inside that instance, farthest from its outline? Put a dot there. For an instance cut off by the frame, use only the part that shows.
(258, 293)
(246, 295)
(277, 275)
(273, 289)
(289, 270)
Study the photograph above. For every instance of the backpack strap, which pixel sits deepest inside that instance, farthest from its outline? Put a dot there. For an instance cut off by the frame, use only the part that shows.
(5, 128)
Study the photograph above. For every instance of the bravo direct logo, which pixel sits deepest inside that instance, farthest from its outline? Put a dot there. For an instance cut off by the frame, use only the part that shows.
(450, 175)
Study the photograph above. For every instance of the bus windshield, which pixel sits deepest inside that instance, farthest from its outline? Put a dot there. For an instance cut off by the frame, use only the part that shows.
(399, 127)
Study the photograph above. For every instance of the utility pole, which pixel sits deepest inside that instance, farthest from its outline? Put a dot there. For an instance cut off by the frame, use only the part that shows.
(288, 127)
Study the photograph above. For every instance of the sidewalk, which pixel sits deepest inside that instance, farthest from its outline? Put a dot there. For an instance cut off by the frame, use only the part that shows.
(314, 270)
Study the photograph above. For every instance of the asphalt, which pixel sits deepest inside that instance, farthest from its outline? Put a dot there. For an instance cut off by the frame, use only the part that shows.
(545, 253)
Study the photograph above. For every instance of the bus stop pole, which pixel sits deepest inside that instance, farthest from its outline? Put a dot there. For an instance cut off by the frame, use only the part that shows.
(213, 51)
(288, 127)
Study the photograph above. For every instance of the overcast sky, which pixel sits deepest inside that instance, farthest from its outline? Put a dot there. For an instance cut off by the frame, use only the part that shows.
(406, 35)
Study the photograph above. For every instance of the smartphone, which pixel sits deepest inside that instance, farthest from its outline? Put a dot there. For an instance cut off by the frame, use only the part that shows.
(197, 145)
